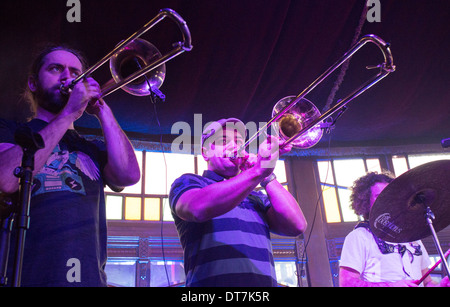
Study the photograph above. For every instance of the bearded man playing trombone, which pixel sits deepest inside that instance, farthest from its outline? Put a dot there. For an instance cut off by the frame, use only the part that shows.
(67, 210)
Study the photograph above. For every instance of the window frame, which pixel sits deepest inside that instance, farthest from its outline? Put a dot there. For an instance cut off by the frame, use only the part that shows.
(386, 163)
(335, 185)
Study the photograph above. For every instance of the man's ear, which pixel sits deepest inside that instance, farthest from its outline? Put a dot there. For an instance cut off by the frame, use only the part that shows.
(208, 150)
(32, 83)
(205, 153)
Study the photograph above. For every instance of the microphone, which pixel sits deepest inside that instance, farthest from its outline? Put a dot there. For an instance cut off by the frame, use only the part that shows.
(445, 143)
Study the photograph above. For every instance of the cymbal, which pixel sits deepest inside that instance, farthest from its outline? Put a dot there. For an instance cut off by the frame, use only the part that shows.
(398, 214)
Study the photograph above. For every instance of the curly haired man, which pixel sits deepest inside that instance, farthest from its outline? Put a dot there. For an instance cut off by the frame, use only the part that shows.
(367, 261)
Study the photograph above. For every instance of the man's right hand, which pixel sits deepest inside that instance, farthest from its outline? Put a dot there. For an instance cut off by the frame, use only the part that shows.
(268, 154)
(82, 93)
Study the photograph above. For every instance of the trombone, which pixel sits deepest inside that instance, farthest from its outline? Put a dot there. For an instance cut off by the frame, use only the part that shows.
(135, 49)
(299, 122)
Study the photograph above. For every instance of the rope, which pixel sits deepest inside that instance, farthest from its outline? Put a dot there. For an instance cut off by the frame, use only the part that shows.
(345, 66)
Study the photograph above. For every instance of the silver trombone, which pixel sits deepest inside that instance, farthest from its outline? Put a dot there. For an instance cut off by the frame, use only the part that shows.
(135, 49)
(299, 122)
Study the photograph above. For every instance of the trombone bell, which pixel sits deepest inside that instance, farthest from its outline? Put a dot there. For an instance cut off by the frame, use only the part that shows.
(130, 54)
(130, 59)
(295, 119)
(299, 122)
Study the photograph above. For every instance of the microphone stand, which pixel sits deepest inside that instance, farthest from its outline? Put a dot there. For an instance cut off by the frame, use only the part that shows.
(7, 205)
(30, 143)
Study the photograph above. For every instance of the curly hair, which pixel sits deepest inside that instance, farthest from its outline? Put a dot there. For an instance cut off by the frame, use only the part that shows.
(361, 191)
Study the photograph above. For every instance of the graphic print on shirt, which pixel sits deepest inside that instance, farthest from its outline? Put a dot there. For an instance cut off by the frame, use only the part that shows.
(62, 172)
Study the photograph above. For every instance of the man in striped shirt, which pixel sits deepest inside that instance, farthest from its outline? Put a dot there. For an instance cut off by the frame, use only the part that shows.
(223, 224)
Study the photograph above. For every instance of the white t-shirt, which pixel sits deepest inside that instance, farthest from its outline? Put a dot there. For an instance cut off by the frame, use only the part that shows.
(361, 253)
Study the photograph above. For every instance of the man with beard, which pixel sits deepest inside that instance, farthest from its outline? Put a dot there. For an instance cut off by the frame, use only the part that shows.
(66, 242)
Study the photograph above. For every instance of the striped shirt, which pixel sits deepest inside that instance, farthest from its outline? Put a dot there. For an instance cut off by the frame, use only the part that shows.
(233, 249)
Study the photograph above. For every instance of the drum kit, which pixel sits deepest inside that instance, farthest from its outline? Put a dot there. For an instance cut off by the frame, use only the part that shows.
(414, 206)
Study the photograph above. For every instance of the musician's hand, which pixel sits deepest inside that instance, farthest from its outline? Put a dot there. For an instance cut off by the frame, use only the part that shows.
(445, 282)
(248, 162)
(83, 93)
(268, 154)
(285, 148)
(94, 107)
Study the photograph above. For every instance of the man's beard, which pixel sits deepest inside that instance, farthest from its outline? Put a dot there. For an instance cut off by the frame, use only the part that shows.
(51, 99)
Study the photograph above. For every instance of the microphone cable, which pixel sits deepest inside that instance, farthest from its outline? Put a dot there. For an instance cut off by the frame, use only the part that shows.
(304, 256)
(153, 101)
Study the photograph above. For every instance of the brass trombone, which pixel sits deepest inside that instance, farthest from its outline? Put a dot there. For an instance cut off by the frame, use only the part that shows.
(135, 49)
(299, 122)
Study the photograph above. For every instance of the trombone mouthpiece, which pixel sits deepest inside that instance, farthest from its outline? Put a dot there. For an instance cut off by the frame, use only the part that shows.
(64, 90)
(233, 155)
